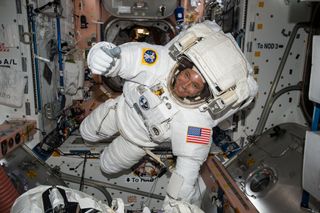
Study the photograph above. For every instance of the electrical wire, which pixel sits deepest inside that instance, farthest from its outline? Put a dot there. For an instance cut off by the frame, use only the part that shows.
(83, 172)
(49, 210)
(153, 189)
(255, 140)
(77, 156)
(43, 133)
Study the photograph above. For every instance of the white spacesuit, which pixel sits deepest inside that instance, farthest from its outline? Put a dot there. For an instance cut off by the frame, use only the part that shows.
(149, 112)
(44, 198)
(61, 199)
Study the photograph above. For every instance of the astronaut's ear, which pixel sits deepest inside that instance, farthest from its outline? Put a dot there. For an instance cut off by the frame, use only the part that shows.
(205, 93)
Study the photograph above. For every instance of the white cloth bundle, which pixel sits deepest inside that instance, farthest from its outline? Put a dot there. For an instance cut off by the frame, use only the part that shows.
(12, 84)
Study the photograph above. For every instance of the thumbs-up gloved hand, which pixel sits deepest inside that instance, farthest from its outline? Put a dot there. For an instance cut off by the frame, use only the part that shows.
(103, 57)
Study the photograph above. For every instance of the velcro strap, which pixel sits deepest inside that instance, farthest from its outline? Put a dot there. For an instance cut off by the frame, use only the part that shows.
(175, 185)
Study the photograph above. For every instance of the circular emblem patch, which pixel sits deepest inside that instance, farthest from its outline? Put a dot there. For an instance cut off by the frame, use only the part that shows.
(150, 56)
(144, 103)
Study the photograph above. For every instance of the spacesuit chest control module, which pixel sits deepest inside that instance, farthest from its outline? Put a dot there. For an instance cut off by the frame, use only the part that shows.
(175, 93)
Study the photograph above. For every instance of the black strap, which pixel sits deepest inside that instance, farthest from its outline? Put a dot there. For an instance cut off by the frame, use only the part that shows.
(70, 207)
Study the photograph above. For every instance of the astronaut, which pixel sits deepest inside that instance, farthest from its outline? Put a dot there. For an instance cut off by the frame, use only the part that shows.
(175, 93)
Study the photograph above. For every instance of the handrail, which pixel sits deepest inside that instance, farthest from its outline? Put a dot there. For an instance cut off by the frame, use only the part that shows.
(269, 102)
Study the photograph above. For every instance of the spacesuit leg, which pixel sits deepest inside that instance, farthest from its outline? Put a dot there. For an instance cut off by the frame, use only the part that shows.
(120, 155)
(101, 123)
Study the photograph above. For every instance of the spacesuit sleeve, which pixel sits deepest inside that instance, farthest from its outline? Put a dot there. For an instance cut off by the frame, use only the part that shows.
(191, 141)
(187, 170)
(136, 58)
(131, 61)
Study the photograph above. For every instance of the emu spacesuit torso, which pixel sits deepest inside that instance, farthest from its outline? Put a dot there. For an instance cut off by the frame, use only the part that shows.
(148, 113)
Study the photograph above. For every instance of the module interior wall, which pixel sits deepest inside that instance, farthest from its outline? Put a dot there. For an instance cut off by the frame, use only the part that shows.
(17, 53)
(271, 24)
(14, 18)
(126, 179)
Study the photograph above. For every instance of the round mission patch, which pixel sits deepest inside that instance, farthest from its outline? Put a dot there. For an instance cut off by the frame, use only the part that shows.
(149, 56)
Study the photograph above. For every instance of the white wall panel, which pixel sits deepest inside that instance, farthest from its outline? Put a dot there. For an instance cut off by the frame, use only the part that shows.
(270, 24)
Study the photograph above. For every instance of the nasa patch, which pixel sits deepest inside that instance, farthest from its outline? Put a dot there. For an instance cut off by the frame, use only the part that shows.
(149, 56)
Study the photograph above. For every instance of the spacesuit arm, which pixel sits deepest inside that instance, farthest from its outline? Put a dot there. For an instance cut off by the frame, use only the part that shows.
(183, 191)
(183, 183)
(191, 143)
(128, 63)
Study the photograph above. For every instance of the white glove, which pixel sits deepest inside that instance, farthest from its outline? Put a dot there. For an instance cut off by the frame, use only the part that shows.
(174, 206)
(146, 210)
(103, 57)
(117, 205)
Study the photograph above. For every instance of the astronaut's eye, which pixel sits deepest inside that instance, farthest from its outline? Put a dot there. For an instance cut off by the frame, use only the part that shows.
(195, 86)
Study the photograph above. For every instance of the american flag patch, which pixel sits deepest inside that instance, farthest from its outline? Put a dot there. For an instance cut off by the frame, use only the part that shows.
(198, 135)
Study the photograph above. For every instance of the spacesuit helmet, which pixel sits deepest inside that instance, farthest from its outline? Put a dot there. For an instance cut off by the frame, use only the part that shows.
(220, 61)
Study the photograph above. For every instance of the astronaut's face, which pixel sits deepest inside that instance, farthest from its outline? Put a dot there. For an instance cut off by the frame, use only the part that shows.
(188, 83)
